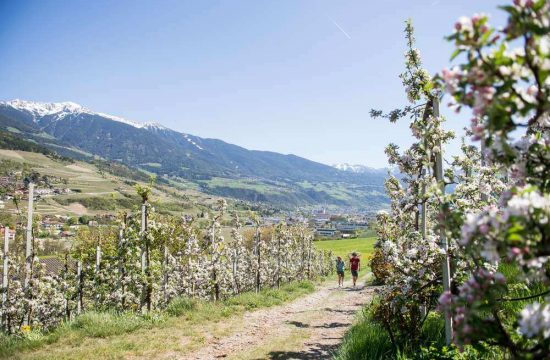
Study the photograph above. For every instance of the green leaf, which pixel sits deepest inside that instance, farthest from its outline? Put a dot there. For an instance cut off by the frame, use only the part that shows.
(456, 53)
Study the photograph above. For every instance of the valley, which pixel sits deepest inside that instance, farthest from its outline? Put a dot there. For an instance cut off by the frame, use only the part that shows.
(185, 161)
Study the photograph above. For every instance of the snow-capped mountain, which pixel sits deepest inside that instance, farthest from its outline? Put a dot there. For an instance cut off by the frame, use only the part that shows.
(58, 111)
(358, 169)
(75, 131)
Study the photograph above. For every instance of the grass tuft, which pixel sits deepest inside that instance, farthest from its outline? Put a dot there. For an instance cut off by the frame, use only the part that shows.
(365, 340)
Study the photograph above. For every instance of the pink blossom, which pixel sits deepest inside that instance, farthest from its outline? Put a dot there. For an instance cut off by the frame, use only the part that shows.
(484, 229)
(451, 78)
(446, 299)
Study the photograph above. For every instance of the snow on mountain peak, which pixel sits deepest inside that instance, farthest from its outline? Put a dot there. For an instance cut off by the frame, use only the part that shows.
(43, 109)
(356, 168)
(153, 126)
(119, 119)
(349, 167)
(62, 109)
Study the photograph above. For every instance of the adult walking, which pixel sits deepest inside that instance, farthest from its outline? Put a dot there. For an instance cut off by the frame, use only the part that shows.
(340, 267)
(355, 266)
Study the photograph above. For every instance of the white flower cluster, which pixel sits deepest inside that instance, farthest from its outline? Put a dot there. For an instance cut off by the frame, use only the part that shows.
(181, 260)
(535, 320)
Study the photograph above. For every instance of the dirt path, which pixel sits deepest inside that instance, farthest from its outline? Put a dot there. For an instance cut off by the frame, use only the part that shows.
(311, 327)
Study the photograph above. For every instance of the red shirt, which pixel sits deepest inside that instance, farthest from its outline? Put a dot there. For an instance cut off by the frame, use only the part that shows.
(354, 263)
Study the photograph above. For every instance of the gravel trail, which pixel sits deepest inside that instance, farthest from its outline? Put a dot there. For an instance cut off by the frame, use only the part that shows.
(310, 327)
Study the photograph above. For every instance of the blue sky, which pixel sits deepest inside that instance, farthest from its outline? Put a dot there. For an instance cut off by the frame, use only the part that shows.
(288, 76)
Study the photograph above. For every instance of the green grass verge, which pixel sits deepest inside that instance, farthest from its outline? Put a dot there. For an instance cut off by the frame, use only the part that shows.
(343, 247)
(102, 325)
(366, 339)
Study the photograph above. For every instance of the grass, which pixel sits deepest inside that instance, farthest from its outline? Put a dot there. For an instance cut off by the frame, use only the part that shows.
(344, 247)
(366, 339)
(180, 328)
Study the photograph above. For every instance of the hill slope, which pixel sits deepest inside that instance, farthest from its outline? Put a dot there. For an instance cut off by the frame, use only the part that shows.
(216, 166)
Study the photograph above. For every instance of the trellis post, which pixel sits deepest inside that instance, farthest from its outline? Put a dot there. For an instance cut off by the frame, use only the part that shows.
(443, 240)
(143, 230)
(308, 241)
(234, 270)
(278, 259)
(65, 287)
(5, 273)
(423, 214)
(97, 266)
(28, 247)
(79, 286)
(120, 261)
(145, 259)
(258, 253)
(165, 272)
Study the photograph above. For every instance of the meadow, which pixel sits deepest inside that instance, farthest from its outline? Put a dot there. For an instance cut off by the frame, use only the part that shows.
(343, 247)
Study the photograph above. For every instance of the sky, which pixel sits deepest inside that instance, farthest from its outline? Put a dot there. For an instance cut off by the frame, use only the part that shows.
(295, 77)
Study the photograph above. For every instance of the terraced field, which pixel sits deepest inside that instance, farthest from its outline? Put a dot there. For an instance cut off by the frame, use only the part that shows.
(87, 181)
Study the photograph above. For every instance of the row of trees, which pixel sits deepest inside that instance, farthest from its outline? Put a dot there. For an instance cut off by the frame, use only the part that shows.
(148, 260)
(492, 232)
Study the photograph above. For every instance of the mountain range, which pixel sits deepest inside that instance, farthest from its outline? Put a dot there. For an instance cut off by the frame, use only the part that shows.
(213, 165)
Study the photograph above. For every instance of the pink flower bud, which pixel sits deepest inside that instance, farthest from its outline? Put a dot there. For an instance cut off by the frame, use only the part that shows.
(484, 229)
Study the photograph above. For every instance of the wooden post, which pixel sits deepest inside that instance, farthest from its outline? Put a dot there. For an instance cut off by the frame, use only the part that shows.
(147, 288)
(5, 274)
(214, 260)
(258, 255)
(97, 268)
(143, 230)
(278, 260)
(308, 240)
(79, 286)
(234, 270)
(424, 208)
(443, 239)
(65, 287)
(28, 247)
(29, 251)
(165, 273)
(121, 263)
(191, 288)
(97, 258)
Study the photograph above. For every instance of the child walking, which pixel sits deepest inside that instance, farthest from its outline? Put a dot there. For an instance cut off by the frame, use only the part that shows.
(340, 267)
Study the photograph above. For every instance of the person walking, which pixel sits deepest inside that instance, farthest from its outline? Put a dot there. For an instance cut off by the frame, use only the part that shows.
(340, 267)
(355, 266)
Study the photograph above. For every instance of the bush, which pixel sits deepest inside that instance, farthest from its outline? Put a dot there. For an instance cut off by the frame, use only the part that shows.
(380, 267)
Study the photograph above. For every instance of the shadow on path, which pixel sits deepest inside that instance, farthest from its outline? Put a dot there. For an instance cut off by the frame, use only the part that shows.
(331, 325)
(317, 351)
(347, 312)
